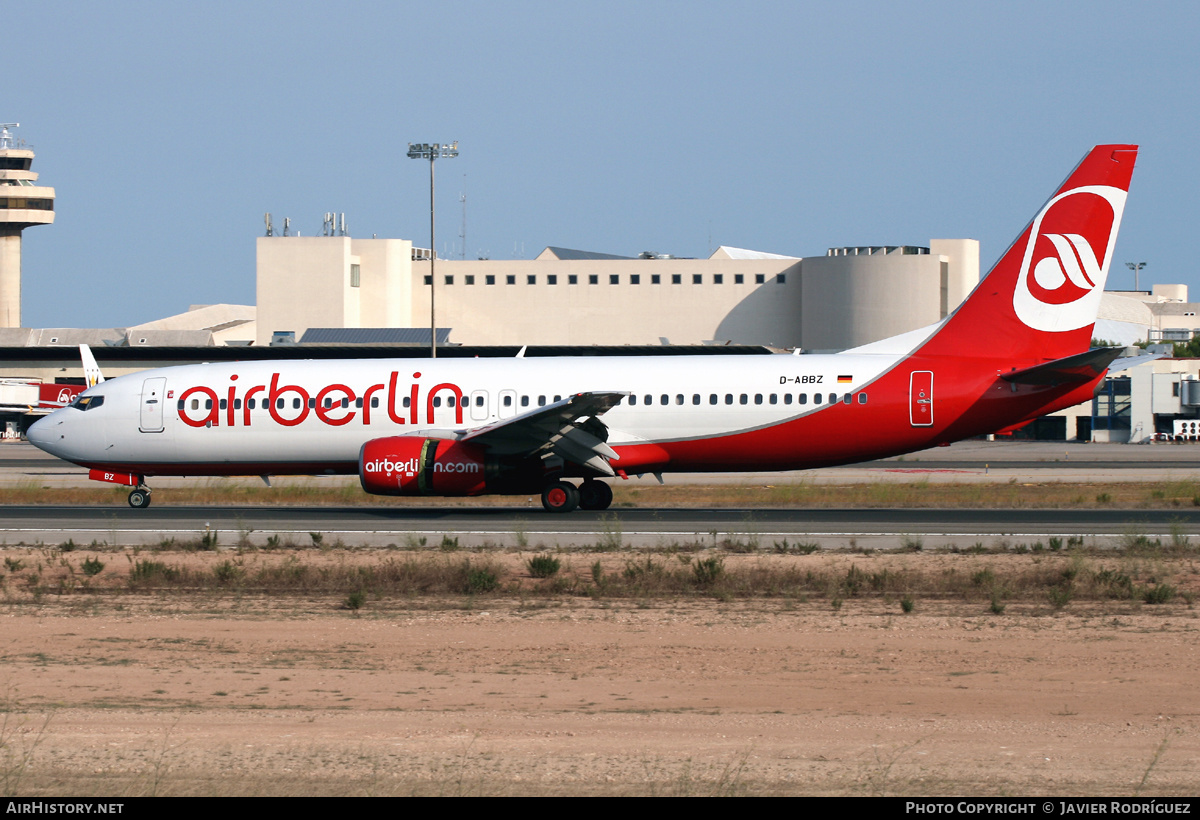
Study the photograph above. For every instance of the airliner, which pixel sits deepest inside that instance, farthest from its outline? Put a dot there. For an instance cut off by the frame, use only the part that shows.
(1015, 349)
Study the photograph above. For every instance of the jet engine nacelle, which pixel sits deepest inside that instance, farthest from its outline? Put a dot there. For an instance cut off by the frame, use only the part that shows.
(412, 465)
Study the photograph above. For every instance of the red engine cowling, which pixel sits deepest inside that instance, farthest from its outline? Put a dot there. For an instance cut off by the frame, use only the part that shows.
(411, 465)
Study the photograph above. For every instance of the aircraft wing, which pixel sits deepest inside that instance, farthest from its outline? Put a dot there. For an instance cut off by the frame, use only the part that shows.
(570, 428)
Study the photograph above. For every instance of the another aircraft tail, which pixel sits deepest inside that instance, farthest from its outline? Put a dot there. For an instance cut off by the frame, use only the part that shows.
(91, 371)
(1040, 300)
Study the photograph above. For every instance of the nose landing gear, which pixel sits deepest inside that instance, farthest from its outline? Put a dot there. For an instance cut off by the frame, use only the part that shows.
(139, 498)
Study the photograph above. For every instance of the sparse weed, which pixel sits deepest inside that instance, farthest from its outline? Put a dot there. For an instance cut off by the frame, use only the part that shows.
(1059, 596)
(612, 538)
(799, 548)
(480, 580)
(1158, 594)
(543, 566)
(708, 571)
(228, 573)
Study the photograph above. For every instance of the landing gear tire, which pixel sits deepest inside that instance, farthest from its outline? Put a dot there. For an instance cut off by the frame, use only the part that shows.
(595, 495)
(139, 499)
(560, 497)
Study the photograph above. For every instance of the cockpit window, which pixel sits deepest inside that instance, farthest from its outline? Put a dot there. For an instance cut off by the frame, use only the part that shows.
(87, 402)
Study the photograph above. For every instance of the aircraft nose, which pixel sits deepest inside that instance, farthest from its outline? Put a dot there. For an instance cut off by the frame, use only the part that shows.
(39, 433)
(46, 434)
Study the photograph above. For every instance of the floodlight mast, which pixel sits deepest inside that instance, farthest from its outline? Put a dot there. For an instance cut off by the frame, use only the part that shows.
(1136, 267)
(431, 151)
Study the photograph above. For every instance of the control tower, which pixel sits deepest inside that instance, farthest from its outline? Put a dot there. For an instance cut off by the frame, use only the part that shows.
(22, 203)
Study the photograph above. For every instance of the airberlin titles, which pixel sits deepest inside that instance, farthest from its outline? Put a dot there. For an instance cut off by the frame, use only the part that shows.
(337, 404)
(290, 404)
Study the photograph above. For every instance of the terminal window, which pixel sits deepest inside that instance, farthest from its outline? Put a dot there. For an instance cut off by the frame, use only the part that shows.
(449, 280)
(429, 280)
(510, 280)
(552, 279)
(718, 278)
(531, 279)
(490, 279)
(739, 279)
(355, 274)
(781, 279)
(470, 277)
(697, 278)
(593, 279)
(635, 279)
(759, 278)
(614, 279)
(572, 279)
(676, 279)
(655, 279)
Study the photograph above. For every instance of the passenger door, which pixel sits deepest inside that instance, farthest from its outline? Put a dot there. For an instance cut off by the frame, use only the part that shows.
(153, 393)
(920, 398)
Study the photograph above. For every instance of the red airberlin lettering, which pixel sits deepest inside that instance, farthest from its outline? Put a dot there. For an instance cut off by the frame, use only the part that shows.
(276, 394)
(214, 415)
(457, 400)
(323, 412)
(289, 404)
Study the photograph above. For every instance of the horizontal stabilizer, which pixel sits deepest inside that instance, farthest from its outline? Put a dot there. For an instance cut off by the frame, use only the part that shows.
(1080, 368)
(1133, 361)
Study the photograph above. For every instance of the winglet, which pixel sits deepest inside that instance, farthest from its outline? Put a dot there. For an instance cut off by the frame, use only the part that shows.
(91, 371)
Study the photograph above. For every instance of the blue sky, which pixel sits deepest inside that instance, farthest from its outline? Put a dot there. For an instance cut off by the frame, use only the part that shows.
(169, 129)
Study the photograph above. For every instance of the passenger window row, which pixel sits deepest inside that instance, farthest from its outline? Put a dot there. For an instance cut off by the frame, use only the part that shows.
(663, 399)
(746, 398)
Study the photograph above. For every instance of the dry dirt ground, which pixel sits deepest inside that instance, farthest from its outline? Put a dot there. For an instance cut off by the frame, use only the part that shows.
(219, 693)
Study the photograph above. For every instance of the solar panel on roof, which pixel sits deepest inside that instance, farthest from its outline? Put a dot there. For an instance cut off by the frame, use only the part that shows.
(372, 336)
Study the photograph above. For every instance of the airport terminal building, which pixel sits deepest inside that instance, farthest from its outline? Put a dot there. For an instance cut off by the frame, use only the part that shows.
(847, 298)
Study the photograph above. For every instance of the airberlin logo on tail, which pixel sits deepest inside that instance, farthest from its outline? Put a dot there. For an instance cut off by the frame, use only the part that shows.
(1066, 258)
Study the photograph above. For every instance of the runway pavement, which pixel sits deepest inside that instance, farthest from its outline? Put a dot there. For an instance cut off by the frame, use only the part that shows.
(532, 528)
(525, 524)
(965, 461)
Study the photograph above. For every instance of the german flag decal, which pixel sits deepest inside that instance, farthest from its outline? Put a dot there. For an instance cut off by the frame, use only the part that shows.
(845, 379)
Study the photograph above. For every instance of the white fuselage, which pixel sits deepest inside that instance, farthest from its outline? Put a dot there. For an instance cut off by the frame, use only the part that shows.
(321, 412)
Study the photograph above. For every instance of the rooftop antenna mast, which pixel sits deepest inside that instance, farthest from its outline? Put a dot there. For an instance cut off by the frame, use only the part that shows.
(462, 236)
(6, 139)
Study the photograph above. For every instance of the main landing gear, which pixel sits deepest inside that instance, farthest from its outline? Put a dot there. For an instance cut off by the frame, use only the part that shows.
(563, 496)
(139, 498)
